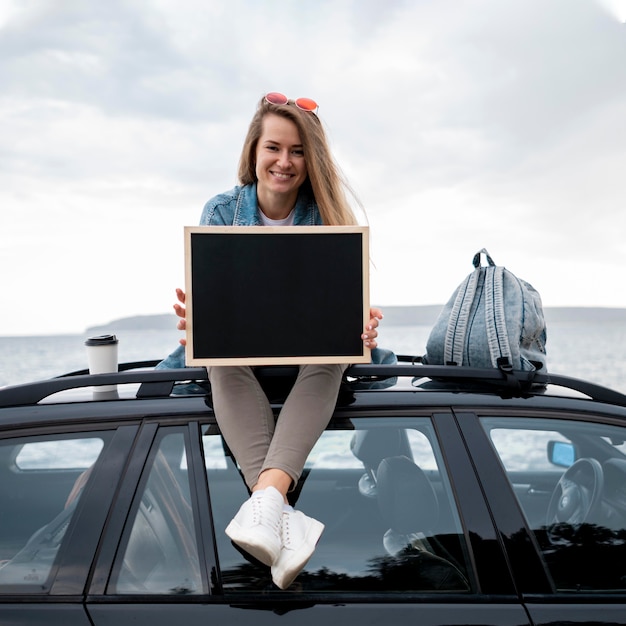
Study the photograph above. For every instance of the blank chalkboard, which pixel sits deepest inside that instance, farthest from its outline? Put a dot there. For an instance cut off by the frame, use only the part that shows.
(264, 295)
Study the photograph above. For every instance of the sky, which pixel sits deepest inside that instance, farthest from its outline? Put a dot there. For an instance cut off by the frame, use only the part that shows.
(459, 125)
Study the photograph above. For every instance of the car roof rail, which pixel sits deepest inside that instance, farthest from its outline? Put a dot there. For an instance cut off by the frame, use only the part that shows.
(160, 383)
(153, 383)
(511, 382)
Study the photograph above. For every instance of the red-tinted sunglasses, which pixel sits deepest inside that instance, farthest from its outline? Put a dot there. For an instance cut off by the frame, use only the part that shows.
(305, 104)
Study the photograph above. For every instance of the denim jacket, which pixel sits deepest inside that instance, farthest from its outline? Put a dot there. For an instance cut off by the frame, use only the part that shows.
(239, 207)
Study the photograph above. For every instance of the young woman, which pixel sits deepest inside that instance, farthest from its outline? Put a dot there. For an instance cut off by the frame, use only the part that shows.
(287, 176)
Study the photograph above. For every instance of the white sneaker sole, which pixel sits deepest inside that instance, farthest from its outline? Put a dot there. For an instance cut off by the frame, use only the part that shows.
(291, 562)
(258, 546)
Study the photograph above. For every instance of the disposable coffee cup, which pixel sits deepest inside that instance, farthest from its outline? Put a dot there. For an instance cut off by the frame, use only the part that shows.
(102, 359)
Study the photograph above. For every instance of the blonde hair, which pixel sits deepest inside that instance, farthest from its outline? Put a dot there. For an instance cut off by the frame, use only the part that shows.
(325, 180)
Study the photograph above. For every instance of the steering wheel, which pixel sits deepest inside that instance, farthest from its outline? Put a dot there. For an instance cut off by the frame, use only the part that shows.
(577, 496)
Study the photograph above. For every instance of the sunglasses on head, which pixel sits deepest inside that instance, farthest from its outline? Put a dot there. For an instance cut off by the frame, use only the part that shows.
(305, 104)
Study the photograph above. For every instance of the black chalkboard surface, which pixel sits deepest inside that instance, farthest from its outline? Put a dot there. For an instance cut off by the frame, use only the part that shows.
(263, 295)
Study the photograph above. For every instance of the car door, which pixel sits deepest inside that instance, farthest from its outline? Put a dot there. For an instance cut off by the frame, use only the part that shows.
(396, 545)
(566, 475)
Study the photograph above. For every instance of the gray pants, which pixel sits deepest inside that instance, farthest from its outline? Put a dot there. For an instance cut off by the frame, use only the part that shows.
(247, 423)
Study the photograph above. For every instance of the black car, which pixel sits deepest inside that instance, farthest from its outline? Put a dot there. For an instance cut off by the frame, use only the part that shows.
(450, 496)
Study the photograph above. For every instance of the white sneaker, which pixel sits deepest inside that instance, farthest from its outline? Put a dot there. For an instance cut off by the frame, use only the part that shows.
(256, 527)
(300, 536)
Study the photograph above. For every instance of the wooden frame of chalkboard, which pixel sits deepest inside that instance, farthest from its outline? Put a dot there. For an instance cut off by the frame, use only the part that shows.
(265, 295)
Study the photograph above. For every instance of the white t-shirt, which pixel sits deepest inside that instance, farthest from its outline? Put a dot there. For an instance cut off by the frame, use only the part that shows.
(286, 221)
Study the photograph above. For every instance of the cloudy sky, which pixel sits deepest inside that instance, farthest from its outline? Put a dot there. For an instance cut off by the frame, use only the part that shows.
(460, 125)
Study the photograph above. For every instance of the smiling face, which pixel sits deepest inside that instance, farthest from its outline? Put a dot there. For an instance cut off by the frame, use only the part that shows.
(280, 165)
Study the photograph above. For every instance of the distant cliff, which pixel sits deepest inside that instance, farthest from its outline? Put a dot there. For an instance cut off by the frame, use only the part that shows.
(394, 316)
(164, 321)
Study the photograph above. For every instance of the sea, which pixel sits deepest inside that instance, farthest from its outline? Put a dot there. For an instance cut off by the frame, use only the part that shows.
(590, 347)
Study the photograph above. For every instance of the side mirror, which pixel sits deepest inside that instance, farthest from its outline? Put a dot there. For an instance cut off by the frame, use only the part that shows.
(561, 453)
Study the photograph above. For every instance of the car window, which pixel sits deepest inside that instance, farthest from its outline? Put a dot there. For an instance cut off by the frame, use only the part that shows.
(159, 553)
(569, 477)
(381, 489)
(41, 482)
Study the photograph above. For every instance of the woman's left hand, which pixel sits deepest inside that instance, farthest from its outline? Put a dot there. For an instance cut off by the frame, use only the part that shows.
(370, 333)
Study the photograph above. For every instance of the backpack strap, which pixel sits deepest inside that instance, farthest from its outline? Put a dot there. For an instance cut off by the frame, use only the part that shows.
(458, 322)
(454, 341)
(476, 259)
(495, 320)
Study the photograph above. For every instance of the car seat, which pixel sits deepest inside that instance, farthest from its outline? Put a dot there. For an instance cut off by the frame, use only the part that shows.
(372, 446)
(408, 504)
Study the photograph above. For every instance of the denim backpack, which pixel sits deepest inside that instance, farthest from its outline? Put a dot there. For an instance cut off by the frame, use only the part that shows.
(493, 319)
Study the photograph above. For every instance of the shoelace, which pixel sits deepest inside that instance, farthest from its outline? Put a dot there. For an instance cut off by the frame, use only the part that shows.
(286, 530)
(266, 513)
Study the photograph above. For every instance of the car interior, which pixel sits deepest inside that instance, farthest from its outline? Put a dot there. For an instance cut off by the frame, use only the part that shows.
(569, 477)
(389, 525)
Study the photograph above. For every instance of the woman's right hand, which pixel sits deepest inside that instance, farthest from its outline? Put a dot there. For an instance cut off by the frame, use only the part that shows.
(180, 310)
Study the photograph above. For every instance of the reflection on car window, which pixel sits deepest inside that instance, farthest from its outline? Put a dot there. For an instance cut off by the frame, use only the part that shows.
(73, 454)
(383, 494)
(160, 553)
(523, 449)
(41, 482)
(576, 509)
